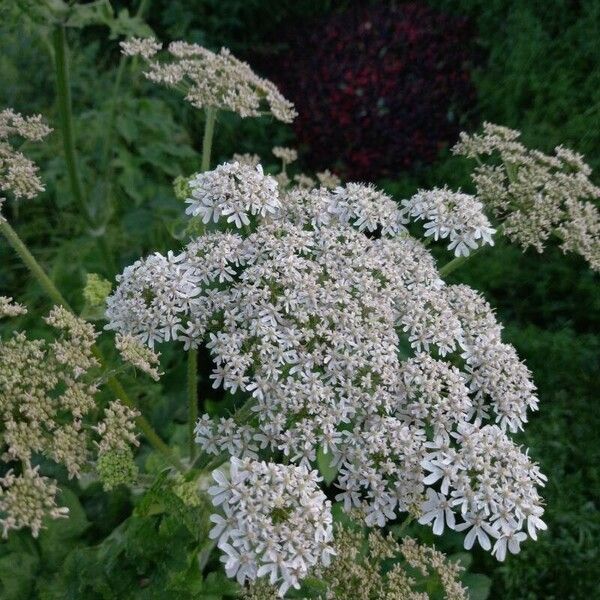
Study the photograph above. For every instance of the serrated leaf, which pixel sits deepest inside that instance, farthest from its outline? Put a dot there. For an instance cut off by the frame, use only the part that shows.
(99, 12)
(129, 26)
(219, 584)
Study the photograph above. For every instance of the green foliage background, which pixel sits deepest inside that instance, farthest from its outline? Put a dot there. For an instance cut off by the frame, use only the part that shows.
(540, 72)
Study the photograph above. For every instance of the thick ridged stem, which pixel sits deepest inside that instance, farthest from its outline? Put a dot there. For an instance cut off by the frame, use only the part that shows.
(207, 140)
(455, 263)
(31, 263)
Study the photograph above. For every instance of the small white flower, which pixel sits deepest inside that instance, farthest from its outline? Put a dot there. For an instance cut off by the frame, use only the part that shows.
(511, 541)
(277, 522)
(452, 215)
(479, 529)
(437, 509)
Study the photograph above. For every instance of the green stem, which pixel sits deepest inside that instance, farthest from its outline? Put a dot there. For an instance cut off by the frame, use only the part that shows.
(54, 294)
(456, 262)
(192, 380)
(110, 124)
(112, 115)
(65, 111)
(209, 130)
(192, 368)
(409, 519)
(460, 260)
(115, 385)
(31, 263)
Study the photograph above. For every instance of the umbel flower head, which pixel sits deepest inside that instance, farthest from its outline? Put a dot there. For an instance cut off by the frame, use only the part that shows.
(276, 522)
(18, 174)
(336, 326)
(212, 80)
(48, 408)
(535, 195)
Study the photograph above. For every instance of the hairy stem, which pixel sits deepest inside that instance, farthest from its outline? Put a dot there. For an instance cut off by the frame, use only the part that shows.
(460, 260)
(149, 432)
(455, 263)
(409, 519)
(54, 294)
(192, 368)
(112, 115)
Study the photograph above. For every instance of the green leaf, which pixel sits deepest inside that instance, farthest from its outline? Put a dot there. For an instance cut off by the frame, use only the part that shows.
(479, 585)
(218, 584)
(328, 472)
(128, 26)
(464, 558)
(99, 12)
(61, 535)
(17, 575)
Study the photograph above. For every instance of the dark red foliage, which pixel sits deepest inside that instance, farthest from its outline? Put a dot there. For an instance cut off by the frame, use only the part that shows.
(379, 89)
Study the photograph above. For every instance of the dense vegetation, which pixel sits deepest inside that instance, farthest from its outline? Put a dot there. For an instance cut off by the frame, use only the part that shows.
(539, 72)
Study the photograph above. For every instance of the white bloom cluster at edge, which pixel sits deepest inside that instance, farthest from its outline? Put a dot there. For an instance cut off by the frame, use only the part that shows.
(276, 522)
(456, 216)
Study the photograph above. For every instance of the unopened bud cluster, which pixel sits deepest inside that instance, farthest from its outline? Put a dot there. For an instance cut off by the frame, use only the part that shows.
(211, 80)
(18, 174)
(48, 408)
(535, 195)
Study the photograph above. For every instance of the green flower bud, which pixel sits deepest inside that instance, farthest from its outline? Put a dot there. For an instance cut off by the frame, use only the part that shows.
(181, 188)
(116, 467)
(187, 491)
(96, 289)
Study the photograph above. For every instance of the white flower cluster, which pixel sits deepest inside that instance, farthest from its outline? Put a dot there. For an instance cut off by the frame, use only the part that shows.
(456, 216)
(491, 481)
(212, 80)
(286, 155)
(8, 308)
(366, 208)
(276, 522)
(48, 411)
(234, 191)
(350, 344)
(26, 500)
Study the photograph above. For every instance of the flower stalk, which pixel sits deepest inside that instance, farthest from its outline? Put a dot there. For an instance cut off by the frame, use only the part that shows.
(192, 376)
(209, 131)
(192, 367)
(65, 111)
